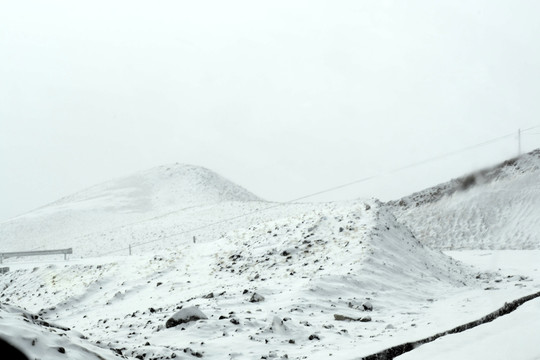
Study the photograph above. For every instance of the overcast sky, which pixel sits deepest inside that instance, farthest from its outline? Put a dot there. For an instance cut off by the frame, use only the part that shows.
(282, 97)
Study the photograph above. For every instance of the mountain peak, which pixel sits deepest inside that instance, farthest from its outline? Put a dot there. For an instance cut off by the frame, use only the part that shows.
(161, 188)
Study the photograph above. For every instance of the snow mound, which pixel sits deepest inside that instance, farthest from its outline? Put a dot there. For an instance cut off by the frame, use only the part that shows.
(360, 246)
(39, 339)
(144, 196)
(492, 209)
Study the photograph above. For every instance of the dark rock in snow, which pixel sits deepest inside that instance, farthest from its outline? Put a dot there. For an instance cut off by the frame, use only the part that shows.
(314, 337)
(367, 306)
(193, 353)
(256, 298)
(185, 315)
(339, 317)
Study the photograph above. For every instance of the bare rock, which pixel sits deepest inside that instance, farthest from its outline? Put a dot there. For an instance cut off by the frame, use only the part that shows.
(367, 306)
(256, 298)
(339, 317)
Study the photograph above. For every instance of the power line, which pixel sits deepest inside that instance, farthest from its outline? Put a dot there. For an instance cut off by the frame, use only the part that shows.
(327, 190)
(452, 153)
(531, 128)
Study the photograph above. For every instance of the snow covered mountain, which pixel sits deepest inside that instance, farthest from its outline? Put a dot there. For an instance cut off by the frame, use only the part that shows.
(89, 217)
(496, 208)
(155, 190)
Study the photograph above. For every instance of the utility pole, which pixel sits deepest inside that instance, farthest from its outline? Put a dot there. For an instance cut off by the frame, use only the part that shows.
(519, 142)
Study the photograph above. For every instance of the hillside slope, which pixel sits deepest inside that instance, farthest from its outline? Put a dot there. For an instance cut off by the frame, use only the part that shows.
(350, 259)
(95, 212)
(497, 208)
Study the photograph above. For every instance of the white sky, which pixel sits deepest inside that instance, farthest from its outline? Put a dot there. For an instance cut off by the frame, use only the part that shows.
(283, 97)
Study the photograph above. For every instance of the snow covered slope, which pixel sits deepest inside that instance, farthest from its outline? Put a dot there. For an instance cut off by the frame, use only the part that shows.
(498, 208)
(40, 339)
(90, 216)
(346, 259)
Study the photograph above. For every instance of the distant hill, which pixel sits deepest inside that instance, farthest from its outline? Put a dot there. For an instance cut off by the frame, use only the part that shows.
(118, 203)
(496, 208)
(155, 190)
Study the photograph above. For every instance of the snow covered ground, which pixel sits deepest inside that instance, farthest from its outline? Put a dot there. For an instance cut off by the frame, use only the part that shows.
(308, 268)
(40, 339)
(124, 302)
(298, 281)
(514, 336)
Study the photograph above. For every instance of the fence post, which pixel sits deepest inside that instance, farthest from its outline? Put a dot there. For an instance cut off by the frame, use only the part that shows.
(130, 249)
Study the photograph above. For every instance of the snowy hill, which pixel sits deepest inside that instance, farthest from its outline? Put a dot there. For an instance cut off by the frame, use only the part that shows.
(94, 213)
(496, 208)
(164, 187)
